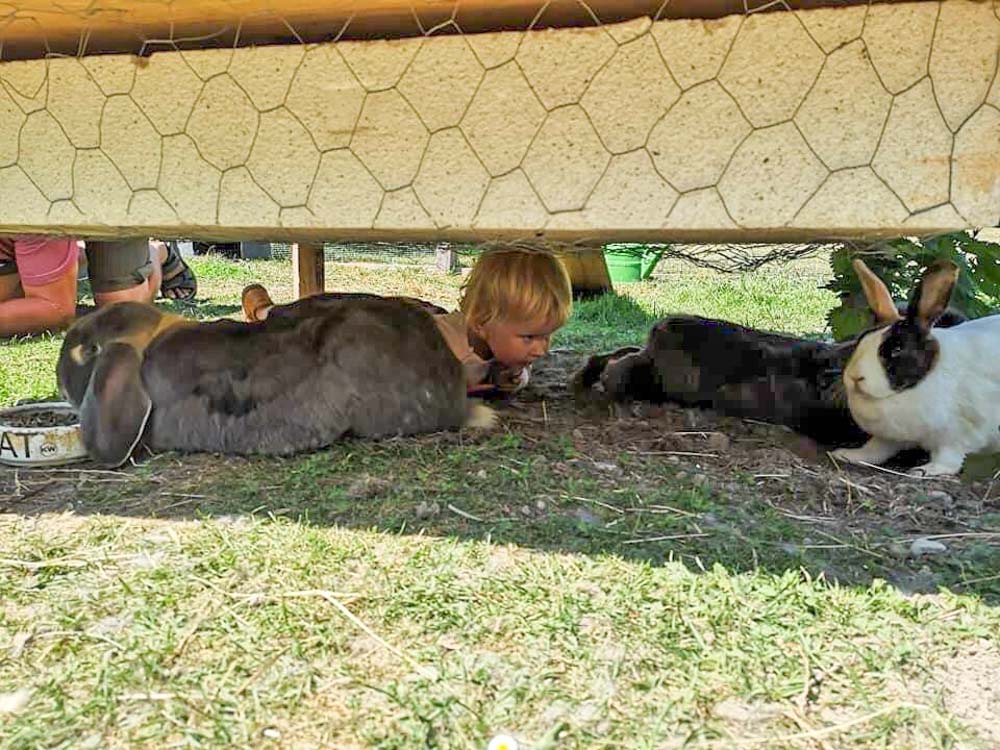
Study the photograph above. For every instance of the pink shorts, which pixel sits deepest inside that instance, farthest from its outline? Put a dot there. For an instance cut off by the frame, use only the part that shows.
(38, 260)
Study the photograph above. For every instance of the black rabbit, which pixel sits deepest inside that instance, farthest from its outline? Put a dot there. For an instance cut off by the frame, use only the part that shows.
(743, 372)
(359, 366)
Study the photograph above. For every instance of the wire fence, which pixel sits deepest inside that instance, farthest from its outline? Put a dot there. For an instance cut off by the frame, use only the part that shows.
(724, 258)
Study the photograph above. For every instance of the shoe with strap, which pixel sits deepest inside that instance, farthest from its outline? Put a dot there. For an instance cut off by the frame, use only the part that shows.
(255, 300)
(179, 282)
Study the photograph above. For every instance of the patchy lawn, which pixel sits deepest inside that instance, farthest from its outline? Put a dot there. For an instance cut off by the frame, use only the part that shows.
(581, 578)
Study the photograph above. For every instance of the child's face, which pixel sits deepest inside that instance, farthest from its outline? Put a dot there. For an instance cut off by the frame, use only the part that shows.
(518, 343)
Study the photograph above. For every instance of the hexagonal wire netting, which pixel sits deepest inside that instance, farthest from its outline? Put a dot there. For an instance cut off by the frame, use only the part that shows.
(620, 102)
(724, 258)
(441, 106)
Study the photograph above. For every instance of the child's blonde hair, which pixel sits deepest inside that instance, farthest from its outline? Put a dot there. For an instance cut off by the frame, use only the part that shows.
(513, 283)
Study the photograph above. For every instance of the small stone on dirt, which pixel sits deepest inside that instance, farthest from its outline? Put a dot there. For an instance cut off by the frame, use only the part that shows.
(923, 546)
(426, 510)
(700, 480)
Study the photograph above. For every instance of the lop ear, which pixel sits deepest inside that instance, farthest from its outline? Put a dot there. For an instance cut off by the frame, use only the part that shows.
(73, 371)
(933, 293)
(116, 407)
(877, 293)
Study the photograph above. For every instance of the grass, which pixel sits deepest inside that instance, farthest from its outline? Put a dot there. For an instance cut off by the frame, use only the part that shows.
(763, 299)
(551, 580)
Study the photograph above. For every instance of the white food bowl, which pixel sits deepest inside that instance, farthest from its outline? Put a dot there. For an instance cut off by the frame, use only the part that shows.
(40, 446)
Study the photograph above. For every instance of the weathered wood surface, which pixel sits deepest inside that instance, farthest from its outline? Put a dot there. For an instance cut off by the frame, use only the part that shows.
(308, 270)
(34, 28)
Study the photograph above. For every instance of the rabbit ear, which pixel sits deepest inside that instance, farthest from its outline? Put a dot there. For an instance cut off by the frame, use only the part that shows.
(877, 293)
(933, 293)
(116, 407)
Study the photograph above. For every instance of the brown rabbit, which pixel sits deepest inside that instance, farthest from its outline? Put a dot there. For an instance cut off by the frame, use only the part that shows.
(364, 367)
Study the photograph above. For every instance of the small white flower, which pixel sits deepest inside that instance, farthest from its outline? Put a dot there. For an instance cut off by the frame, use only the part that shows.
(503, 742)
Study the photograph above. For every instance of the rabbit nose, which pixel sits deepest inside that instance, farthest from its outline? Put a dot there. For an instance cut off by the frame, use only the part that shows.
(858, 379)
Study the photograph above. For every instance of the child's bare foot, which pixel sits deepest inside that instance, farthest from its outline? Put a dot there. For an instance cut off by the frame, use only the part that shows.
(256, 303)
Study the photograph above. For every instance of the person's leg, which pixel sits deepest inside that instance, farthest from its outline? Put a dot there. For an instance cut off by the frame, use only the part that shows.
(41, 295)
(10, 282)
(125, 270)
(158, 254)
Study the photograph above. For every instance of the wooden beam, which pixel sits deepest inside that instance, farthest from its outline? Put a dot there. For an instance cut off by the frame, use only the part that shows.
(307, 269)
(38, 28)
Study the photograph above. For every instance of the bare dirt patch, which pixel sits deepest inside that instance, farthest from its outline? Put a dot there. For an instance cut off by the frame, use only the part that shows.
(971, 689)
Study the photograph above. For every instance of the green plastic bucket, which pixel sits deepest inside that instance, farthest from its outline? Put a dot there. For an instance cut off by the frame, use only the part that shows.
(629, 263)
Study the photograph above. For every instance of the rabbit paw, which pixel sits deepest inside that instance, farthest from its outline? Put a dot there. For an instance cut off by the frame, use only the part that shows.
(933, 470)
(945, 462)
(850, 455)
(480, 417)
(876, 451)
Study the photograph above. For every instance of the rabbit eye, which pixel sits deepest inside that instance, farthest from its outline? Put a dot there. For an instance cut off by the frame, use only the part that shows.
(92, 350)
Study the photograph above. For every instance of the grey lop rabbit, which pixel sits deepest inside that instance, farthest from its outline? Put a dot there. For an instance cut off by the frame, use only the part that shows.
(362, 367)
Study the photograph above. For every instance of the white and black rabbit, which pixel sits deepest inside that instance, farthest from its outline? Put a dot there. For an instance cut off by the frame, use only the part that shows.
(363, 367)
(911, 384)
(743, 372)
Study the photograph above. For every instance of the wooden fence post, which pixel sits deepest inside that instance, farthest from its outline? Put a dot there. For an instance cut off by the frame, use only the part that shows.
(307, 269)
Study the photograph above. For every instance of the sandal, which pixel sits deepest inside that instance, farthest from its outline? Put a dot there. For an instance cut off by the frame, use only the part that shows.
(179, 282)
(253, 300)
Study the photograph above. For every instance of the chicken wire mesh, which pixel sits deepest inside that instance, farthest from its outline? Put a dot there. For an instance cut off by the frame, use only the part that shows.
(723, 258)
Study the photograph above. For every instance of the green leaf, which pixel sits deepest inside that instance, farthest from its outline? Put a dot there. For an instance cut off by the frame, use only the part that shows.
(900, 262)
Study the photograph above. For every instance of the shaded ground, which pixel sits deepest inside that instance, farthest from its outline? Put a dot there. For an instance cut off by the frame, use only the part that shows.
(588, 477)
